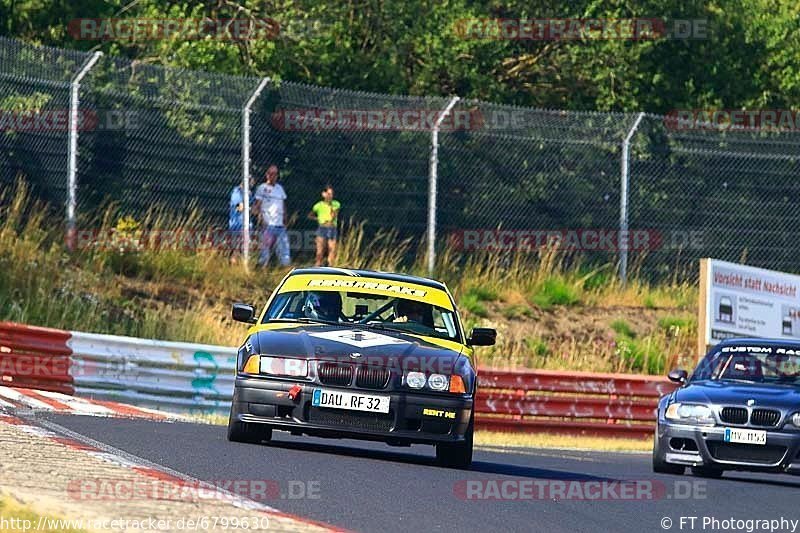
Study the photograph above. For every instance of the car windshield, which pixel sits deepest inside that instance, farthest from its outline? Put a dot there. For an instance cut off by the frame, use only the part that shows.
(753, 364)
(371, 310)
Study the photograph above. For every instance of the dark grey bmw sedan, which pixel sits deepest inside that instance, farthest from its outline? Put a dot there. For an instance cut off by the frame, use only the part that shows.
(740, 410)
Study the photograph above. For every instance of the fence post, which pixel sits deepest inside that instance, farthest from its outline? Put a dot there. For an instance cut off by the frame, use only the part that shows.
(623, 202)
(246, 172)
(72, 156)
(432, 185)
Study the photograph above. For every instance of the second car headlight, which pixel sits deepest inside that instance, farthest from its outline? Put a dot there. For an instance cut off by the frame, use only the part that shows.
(796, 420)
(282, 366)
(415, 380)
(692, 413)
(438, 382)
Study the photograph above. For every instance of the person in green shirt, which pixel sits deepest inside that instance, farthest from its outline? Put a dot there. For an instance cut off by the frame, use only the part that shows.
(326, 213)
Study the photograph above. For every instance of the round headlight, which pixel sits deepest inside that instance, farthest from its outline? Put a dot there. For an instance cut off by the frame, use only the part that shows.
(438, 382)
(415, 380)
(796, 420)
(692, 413)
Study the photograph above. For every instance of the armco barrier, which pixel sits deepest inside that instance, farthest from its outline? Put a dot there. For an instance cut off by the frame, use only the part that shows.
(582, 403)
(199, 378)
(160, 374)
(34, 357)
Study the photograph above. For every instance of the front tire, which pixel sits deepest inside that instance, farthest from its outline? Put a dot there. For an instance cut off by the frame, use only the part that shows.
(660, 466)
(457, 454)
(247, 431)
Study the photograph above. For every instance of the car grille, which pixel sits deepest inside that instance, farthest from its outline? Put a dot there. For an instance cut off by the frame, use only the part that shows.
(372, 377)
(333, 374)
(355, 420)
(765, 417)
(746, 453)
(733, 415)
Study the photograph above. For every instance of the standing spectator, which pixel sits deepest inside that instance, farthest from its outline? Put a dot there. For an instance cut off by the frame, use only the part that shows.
(270, 201)
(326, 213)
(236, 219)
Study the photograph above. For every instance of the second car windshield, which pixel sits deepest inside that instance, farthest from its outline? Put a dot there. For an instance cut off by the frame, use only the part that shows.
(756, 365)
(345, 307)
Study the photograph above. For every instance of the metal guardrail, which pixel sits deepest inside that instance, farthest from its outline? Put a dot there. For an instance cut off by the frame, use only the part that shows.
(186, 377)
(33, 357)
(160, 374)
(583, 403)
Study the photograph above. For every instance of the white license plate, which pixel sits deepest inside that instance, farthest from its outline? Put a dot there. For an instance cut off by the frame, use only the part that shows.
(746, 436)
(351, 401)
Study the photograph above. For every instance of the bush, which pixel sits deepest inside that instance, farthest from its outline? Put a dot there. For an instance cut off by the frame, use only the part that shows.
(641, 356)
(538, 347)
(516, 311)
(672, 323)
(621, 327)
(473, 304)
(555, 291)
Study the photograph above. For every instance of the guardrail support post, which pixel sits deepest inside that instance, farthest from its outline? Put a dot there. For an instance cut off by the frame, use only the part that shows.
(432, 184)
(246, 172)
(72, 156)
(623, 202)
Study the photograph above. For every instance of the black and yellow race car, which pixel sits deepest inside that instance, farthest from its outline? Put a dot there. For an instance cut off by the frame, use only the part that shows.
(358, 354)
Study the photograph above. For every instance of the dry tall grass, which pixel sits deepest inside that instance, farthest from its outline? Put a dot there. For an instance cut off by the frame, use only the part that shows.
(130, 286)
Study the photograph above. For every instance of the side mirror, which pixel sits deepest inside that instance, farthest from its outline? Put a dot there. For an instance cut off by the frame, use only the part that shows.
(243, 313)
(482, 337)
(678, 376)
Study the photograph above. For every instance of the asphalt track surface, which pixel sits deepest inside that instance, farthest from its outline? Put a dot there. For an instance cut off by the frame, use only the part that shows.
(366, 486)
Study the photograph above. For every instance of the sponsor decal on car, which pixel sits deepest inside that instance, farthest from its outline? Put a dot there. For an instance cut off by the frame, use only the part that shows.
(358, 338)
(371, 286)
(356, 284)
(438, 413)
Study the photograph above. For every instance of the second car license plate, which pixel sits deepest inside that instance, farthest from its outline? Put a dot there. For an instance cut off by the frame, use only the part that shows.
(348, 400)
(746, 436)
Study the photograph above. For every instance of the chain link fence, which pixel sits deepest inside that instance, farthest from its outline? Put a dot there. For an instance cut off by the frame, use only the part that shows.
(36, 79)
(154, 138)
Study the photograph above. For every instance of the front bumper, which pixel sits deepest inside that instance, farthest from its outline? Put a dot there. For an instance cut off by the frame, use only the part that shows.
(674, 445)
(267, 401)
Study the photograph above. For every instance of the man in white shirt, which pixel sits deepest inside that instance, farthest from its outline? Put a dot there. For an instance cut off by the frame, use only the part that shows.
(269, 203)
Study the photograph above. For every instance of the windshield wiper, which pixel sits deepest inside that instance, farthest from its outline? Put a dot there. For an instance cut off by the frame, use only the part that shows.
(384, 327)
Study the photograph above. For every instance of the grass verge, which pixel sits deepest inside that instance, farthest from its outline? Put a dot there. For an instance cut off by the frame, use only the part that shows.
(127, 284)
(492, 439)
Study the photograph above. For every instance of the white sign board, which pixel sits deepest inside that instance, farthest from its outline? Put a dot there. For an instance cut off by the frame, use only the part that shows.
(743, 301)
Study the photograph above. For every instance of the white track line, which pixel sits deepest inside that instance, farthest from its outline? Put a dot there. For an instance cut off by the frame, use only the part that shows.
(115, 455)
(79, 405)
(33, 403)
(4, 403)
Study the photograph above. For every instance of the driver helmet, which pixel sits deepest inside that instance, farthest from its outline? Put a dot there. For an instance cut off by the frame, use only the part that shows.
(325, 305)
(414, 311)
